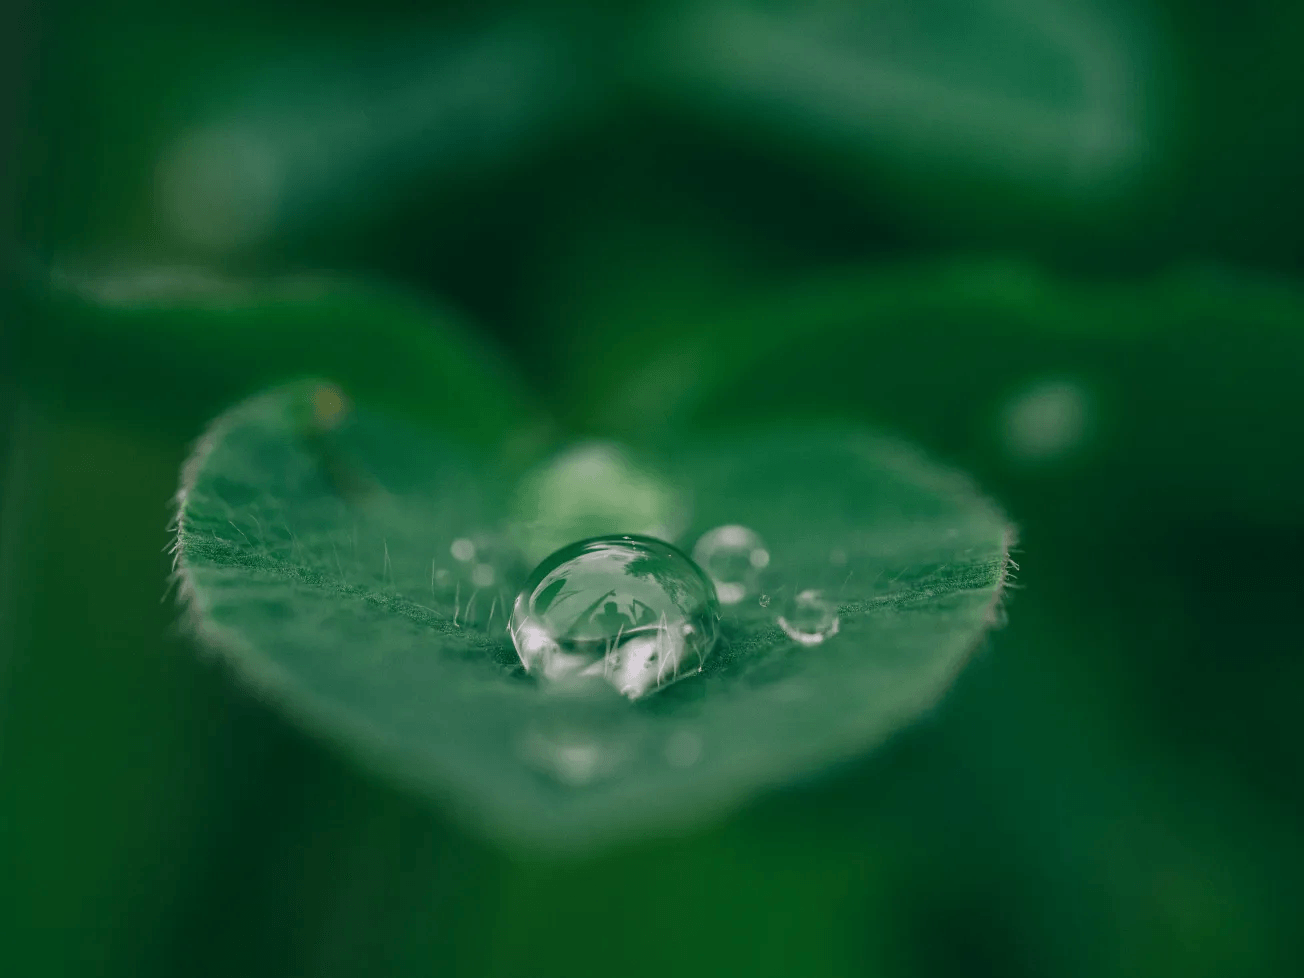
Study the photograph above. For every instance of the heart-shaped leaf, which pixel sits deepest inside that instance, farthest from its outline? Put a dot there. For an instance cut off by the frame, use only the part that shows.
(359, 572)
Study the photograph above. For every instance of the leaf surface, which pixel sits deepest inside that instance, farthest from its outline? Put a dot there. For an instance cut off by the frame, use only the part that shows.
(318, 548)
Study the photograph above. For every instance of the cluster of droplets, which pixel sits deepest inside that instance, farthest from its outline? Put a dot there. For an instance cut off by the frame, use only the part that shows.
(736, 557)
(638, 614)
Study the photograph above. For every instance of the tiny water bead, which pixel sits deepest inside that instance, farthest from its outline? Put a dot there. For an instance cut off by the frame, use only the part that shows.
(809, 618)
(734, 557)
(632, 610)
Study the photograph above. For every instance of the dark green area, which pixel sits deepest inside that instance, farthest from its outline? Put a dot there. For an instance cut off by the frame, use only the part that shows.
(1113, 786)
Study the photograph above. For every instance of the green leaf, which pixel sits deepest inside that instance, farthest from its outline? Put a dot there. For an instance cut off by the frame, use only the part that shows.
(1009, 88)
(1188, 382)
(179, 344)
(274, 134)
(316, 550)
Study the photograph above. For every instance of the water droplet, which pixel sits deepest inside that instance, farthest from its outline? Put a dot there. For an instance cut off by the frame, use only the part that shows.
(764, 601)
(482, 575)
(809, 618)
(631, 610)
(462, 549)
(733, 556)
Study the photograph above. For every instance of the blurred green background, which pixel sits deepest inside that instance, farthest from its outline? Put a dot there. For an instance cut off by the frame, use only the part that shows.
(1056, 242)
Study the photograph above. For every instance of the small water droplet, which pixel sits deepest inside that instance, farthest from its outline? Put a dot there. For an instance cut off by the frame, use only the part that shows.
(733, 556)
(482, 575)
(765, 601)
(631, 610)
(462, 549)
(809, 618)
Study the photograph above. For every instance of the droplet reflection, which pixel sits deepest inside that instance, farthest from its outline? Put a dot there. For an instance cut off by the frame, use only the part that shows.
(631, 610)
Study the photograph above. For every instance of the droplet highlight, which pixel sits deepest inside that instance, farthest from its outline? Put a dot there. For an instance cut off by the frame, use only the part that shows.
(734, 557)
(631, 610)
(809, 618)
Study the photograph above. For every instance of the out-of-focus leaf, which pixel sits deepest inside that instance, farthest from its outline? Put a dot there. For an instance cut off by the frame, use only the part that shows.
(182, 342)
(1044, 92)
(272, 127)
(1188, 383)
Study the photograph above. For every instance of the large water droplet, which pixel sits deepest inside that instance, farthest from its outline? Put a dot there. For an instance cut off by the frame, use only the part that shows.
(734, 557)
(632, 610)
(809, 618)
